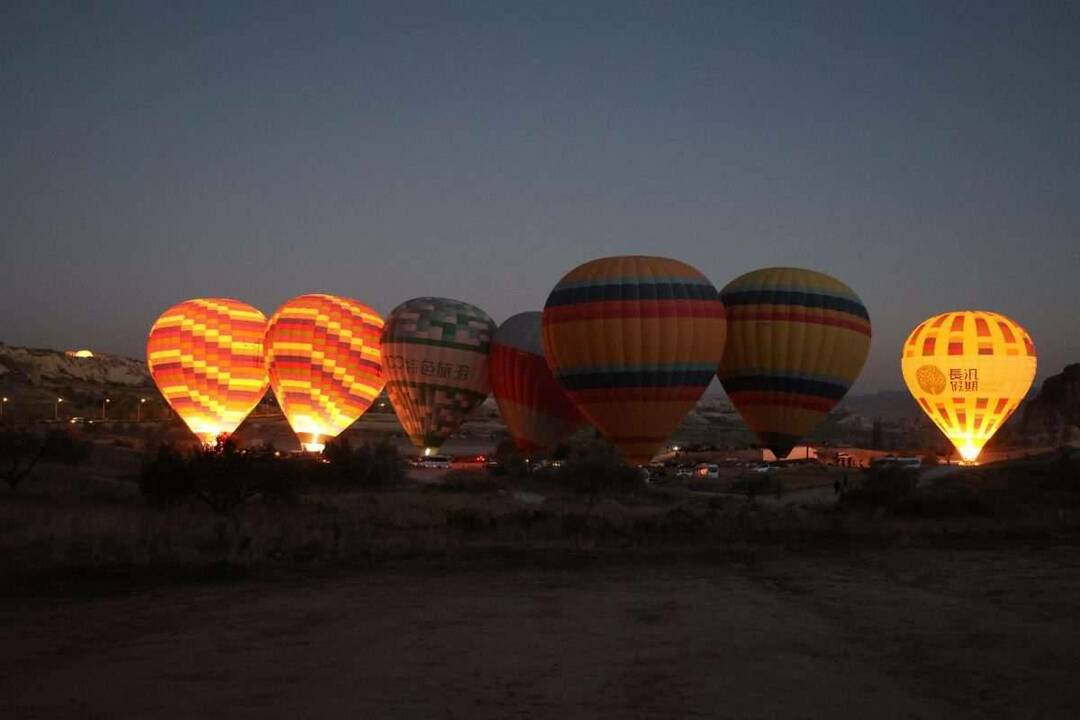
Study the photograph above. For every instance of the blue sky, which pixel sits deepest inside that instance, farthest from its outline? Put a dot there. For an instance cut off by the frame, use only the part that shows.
(925, 153)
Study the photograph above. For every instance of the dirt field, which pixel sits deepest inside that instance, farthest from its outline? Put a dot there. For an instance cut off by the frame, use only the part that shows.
(902, 634)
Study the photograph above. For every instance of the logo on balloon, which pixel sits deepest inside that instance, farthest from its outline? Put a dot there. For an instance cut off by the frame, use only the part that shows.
(931, 379)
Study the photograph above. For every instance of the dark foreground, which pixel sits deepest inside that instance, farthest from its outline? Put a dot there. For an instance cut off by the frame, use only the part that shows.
(897, 634)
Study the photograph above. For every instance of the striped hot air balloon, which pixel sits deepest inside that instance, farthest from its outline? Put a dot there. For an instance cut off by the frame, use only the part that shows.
(635, 342)
(537, 411)
(436, 355)
(206, 357)
(969, 370)
(324, 357)
(797, 340)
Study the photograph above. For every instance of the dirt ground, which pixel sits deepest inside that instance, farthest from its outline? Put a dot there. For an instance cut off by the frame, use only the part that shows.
(902, 634)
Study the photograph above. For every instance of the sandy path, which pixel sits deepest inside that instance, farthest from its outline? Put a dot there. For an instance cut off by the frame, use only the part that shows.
(902, 636)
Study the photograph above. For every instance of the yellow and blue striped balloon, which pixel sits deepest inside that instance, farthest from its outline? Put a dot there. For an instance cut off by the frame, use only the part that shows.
(635, 341)
(797, 340)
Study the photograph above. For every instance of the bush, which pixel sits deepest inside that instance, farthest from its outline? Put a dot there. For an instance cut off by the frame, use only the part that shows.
(883, 487)
(61, 446)
(19, 452)
(596, 468)
(369, 465)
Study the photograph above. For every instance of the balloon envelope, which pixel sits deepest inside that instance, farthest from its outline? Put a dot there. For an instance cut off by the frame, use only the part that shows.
(797, 340)
(436, 358)
(968, 370)
(635, 341)
(324, 358)
(537, 411)
(206, 357)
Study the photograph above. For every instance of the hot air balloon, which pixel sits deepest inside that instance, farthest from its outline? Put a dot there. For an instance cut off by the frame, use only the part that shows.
(206, 357)
(324, 358)
(635, 341)
(537, 411)
(436, 354)
(968, 370)
(797, 340)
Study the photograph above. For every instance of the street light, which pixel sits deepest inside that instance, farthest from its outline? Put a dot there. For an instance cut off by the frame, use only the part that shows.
(104, 403)
(2, 404)
(141, 401)
(56, 408)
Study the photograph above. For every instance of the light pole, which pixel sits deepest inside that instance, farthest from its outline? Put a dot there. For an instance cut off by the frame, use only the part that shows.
(2, 404)
(56, 408)
(141, 401)
(104, 405)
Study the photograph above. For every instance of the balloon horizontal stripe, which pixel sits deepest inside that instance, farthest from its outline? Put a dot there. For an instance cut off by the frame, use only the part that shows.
(783, 399)
(643, 394)
(617, 309)
(736, 298)
(408, 340)
(634, 290)
(636, 280)
(636, 378)
(784, 384)
(848, 323)
(568, 372)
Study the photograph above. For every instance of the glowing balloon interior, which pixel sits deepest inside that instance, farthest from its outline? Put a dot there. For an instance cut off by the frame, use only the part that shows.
(206, 357)
(969, 370)
(797, 340)
(324, 358)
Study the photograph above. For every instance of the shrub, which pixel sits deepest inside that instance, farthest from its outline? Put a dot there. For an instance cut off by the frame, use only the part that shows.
(596, 468)
(883, 487)
(19, 452)
(61, 446)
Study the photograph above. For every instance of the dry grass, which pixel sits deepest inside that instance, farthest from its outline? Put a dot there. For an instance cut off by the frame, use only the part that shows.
(68, 520)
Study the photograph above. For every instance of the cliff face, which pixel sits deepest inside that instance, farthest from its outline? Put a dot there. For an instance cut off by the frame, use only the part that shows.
(53, 368)
(1054, 413)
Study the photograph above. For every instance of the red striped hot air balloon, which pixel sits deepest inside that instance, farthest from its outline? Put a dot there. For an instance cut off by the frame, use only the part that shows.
(797, 340)
(537, 411)
(635, 342)
(324, 357)
(206, 357)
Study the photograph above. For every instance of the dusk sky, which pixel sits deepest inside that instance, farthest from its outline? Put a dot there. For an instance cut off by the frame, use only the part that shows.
(926, 154)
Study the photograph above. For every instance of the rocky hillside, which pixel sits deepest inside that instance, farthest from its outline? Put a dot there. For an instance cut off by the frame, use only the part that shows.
(51, 368)
(1054, 413)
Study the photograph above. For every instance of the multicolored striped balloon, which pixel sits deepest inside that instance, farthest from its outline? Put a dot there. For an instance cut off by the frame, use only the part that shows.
(537, 411)
(436, 356)
(797, 340)
(206, 357)
(324, 357)
(635, 341)
(969, 370)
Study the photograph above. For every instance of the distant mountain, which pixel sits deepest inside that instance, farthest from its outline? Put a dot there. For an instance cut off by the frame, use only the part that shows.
(890, 405)
(50, 368)
(1054, 412)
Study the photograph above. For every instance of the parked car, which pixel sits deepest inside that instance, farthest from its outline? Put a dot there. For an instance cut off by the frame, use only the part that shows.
(706, 471)
(684, 471)
(440, 462)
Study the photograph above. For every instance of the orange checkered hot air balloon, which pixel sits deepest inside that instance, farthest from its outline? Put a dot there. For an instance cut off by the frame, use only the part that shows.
(324, 357)
(206, 357)
(968, 370)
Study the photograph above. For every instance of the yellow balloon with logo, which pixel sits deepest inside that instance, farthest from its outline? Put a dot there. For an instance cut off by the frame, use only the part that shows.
(969, 370)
